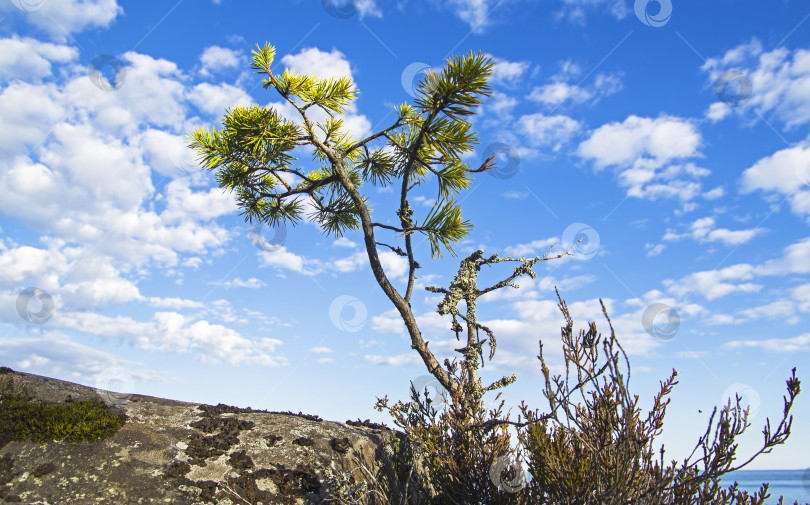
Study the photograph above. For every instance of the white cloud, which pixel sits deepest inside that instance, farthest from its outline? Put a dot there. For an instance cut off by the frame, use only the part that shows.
(55, 354)
(345, 242)
(795, 260)
(174, 303)
(554, 131)
(64, 17)
(705, 230)
(475, 13)
(176, 333)
(313, 61)
(559, 91)
(691, 354)
(654, 249)
(783, 309)
(152, 92)
(29, 112)
(787, 172)
(105, 169)
(192, 262)
(215, 59)
(784, 345)
(93, 173)
(20, 264)
(79, 165)
(646, 152)
(718, 111)
(508, 72)
(607, 84)
(165, 152)
(398, 360)
(779, 172)
(105, 290)
(714, 284)
(730, 237)
(663, 139)
(367, 8)
(29, 59)
(575, 10)
(395, 266)
(214, 99)
(252, 283)
(779, 79)
(501, 104)
(801, 294)
(715, 193)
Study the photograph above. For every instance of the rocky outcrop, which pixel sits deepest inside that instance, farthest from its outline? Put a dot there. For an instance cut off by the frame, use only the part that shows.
(181, 453)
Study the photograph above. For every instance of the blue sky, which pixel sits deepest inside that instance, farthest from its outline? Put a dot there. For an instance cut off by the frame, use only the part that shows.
(673, 138)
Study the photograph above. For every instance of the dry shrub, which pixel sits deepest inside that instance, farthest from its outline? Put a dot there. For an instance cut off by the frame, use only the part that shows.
(597, 453)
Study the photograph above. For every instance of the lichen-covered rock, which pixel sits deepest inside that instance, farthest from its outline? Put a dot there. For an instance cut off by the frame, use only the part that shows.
(181, 453)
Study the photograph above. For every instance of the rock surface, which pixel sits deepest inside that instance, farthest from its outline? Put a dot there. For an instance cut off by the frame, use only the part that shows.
(181, 453)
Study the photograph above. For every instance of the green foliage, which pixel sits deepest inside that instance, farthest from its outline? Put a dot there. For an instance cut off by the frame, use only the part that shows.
(22, 419)
(255, 144)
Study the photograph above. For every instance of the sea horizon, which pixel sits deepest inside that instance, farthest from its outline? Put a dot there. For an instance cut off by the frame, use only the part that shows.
(792, 484)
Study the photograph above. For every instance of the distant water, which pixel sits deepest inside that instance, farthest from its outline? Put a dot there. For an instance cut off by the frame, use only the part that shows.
(791, 484)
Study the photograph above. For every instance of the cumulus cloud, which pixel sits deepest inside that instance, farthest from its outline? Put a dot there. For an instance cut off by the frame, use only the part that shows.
(166, 152)
(718, 111)
(556, 93)
(252, 283)
(501, 105)
(78, 170)
(662, 139)
(322, 64)
(552, 131)
(576, 10)
(782, 345)
(475, 13)
(215, 99)
(779, 82)
(29, 112)
(152, 93)
(27, 59)
(508, 72)
(62, 18)
(705, 230)
(649, 155)
(713, 284)
(785, 172)
(794, 260)
(367, 8)
(215, 59)
(559, 91)
(654, 249)
(281, 258)
(398, 360)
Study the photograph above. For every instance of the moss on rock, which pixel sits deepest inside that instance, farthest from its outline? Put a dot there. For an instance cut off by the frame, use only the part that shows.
(22, 419)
